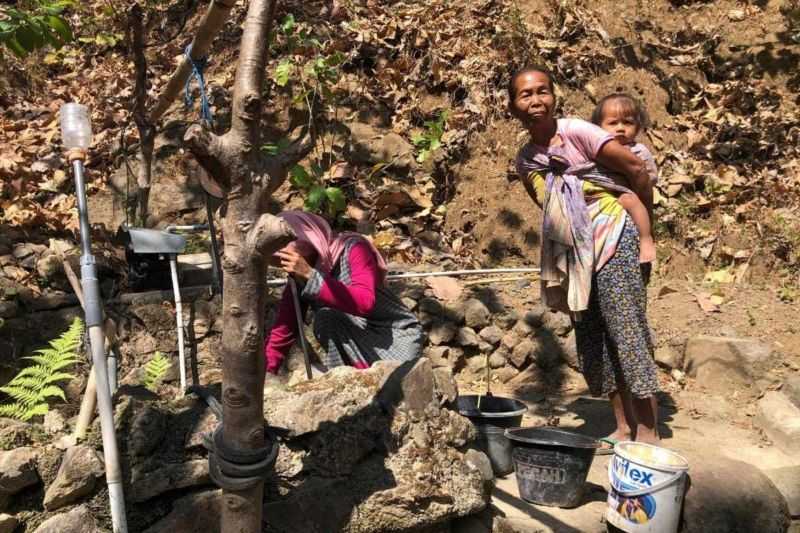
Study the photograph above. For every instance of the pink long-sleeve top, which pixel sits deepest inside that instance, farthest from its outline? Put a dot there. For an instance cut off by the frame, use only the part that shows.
(356, 298)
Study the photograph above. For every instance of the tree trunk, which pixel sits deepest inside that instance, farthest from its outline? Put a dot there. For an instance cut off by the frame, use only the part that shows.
(235, 162)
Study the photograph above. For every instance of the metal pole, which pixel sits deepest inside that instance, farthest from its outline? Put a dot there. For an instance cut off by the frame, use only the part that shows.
(94, 323)
(300, 333)
(173, 267)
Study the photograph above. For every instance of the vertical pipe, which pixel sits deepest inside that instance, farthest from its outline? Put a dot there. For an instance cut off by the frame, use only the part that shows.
(173, 267)
(300, 333)
(94, 322)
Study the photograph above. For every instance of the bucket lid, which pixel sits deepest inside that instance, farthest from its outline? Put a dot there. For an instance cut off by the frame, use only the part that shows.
(490, 406)
(651, 456)
(551, 437)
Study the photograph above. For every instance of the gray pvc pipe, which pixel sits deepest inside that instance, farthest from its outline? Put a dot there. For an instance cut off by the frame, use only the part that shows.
(94, 322)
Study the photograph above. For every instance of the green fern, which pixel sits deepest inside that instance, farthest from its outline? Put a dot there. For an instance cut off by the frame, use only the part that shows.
(155, 370)
(35, 385)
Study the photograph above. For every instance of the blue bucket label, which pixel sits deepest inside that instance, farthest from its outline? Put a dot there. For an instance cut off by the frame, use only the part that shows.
(628, 476)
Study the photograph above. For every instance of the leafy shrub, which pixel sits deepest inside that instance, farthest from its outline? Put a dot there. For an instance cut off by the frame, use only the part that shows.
(154, 371)
(32, 388)
(23, 32)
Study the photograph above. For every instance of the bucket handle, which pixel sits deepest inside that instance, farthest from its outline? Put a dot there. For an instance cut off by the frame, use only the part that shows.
(638, 492)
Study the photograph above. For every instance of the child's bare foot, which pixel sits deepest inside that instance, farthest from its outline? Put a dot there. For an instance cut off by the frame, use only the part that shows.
(647, 250)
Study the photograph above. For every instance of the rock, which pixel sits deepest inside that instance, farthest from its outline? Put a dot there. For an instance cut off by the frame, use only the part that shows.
(18, 469)
(485, 347)
(522, 353)
(195, 512)
(14, 433)
(204, 424)
(431, 306)
(369, 145)
(417, 385)
(8, 523)
(720, 362)
(48, 300)
(466, 337)
(169, 477)
(9, 308)
(445, 383)
(444, 356)
(535, 316)
(497, 359)
(668, 357)
(510, 340)
(360, 455)
(791, 387)
(77, 520)
(54, 421)
(505, 374)
(522, 329)
(491, 334)
(727, 496)
(480, 461)
(569, 351)
(50, 268)
(507, 320)
(787, 481)
(558, 323)
(780, 420)
(76, 477)
(411, 303)
(25, 250)
(477, 364)
(476, 314)
(442, 333)
(147, 430)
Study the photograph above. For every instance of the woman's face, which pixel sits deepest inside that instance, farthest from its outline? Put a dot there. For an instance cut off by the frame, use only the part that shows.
(304, 248)
(534, 101)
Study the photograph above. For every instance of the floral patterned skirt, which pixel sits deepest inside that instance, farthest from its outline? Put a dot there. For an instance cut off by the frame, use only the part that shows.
(613, 339)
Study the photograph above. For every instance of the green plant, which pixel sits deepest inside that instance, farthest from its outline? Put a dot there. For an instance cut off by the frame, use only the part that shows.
(32, 388)
(308, 73)
(22, 32)
(154, 371)
(430, 140)
(319, 198)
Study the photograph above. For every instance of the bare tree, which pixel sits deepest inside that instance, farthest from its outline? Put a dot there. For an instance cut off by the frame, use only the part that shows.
(248, 178)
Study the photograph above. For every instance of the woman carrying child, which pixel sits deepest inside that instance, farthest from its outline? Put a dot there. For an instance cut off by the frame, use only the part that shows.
(590, 249)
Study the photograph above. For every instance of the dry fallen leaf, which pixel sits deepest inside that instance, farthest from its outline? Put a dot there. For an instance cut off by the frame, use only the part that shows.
(706, 302)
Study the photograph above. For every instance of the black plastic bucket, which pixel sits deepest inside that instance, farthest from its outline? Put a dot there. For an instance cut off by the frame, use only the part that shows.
(551, 464)
(495, 415)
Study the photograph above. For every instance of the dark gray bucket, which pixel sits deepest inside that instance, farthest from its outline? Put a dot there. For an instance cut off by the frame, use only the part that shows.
(551, 464)
(496, 414)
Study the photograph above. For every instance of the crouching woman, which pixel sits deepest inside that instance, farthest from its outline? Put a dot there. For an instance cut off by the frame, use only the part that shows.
(357, 320)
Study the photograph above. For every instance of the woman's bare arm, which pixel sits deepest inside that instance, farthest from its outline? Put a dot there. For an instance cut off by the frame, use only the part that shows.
(620, 159)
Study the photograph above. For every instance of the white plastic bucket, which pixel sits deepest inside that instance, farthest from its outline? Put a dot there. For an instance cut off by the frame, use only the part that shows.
(647, 485)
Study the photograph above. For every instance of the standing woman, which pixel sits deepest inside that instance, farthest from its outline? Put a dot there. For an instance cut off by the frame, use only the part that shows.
(590, 249)
(357, 320)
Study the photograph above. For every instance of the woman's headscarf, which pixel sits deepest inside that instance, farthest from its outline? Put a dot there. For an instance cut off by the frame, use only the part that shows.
(329, 245)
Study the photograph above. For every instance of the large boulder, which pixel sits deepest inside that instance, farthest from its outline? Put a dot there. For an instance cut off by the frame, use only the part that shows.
(147, 485)
(371, 451)
(721, 362)
(780, 420)
(728, 496)
(76, 477)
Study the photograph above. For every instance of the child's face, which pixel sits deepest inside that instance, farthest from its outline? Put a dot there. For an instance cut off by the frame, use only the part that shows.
(534, 101)
(619, 122)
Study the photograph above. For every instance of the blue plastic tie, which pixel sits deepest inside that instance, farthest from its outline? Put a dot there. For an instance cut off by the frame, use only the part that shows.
(198, 66)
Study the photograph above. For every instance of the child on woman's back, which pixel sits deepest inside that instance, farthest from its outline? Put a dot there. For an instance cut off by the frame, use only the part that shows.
(622, 116)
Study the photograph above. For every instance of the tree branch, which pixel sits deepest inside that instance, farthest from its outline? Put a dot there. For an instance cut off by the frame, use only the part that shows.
(269, 234)
(209, 150)
(147, 131)
(247, 105)
(209, 27)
